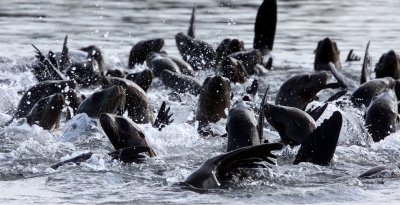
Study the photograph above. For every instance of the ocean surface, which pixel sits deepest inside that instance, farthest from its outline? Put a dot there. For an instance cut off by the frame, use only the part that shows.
(27, 152)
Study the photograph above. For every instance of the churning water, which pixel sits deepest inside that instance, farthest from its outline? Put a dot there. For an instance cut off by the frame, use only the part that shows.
(26, 152)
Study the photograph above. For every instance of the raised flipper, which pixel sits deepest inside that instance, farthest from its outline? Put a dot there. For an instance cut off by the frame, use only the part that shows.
(192, 25)
(336, 96)
(261, 116)
(320, 146)
(352, 57)
(366, 67)
(317, 111)
(252, 89)
(342, 80)
(130, 154)
(52, 71)
(163, 117)
(52, 58)
(212, 173)
(65, 59)
(265, 25)
(77, 160)
(372, 171)
(269, 63)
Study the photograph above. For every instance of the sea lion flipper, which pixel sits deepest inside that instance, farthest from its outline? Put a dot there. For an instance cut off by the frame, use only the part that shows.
(163, 117)
(336, 96)
(372, 171)
(252, 89)
(52, 58)
(339, 76)
(209, 175)
(255, 152)
(65, 60)
(269, 63)
(352, 56)
(265, 25)
(192, 24)
(319, 147)
(53, 71)
(77, 160)
(366, 67)
(317, 112)
(261, 116)
(130, 154)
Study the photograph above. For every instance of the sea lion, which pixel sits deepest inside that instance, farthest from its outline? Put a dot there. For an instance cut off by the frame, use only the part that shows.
(158, 62)
(184, 67)
(104, 101)
(143, 78)
(319, 147)
(114, 73)
(368, 90)
(123, 133)
(301, 89)
(199, 54)
(242, 127)
(141, 49)
(293, 125)
(382, 115)
(180, 83)
(265, 26)
(326, 52)
(72, 102)
(249, 59)
(85, 72)
(213, 173)
(47, 111)
(388, 65)
(233, 69)
(95, 54)
(137, 103)
(39, 91)
(226, 47)
(213, 100)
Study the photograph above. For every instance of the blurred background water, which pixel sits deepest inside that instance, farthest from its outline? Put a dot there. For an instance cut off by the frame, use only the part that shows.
(27, 152)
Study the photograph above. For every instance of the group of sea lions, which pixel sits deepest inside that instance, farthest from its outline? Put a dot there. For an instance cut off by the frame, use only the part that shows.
(61, 74)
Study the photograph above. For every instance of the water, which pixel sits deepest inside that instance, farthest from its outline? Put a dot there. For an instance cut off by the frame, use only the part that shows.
(27, 152)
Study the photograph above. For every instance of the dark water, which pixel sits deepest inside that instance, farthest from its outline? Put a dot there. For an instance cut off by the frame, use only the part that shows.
(27, 152)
